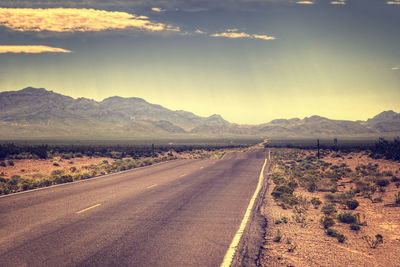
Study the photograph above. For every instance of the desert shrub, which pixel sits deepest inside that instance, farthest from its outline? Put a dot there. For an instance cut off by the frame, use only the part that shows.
(300, 218)
(15, 179)
(382, 182)
(395, 179)
(63, 179)
(387, 173)
(373, 243)
(311, 186)
(3, 164)
(277, 238)
(329, 197)
(364, 188)
(352, 204)
(278, 221)
(332, 232)
(44, 183)
(281, 190)
(328, 208)
(3, 180)
(27, 184)
(57, 172)
(397, 198)
(316, 202)
(340, 237)
(56, 164)
(284, 219)
(10, 163)
(327, 222)
(347, 217)
(354, 227)
(292, 184)
(342, 197)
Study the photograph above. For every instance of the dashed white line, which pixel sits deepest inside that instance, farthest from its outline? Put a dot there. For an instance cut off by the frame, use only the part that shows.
(151, 186)
(94, 206)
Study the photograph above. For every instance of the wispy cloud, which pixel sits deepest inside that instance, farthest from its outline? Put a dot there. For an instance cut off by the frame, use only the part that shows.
(305, 2)
(396, 2)
(340, 2)
(396, 68)
(157, 9)
(235, 34)
(75, 20)
(200, 32)
(31, 49)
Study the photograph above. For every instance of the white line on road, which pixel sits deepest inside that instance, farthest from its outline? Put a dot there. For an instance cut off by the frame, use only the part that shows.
(235, 242)
(153, 185)
(182, 175)
(94, 206)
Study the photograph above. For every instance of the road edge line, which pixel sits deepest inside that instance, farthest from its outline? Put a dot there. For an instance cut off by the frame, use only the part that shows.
(86, 180)
(230, 253)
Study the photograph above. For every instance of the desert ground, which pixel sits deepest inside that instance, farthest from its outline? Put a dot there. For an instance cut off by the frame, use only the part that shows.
(295, 235)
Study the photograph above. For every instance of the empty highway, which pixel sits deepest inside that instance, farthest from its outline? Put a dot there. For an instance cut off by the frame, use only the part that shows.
(179, 213)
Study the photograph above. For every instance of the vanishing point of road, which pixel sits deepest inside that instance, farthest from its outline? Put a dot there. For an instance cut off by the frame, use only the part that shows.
(179, 213)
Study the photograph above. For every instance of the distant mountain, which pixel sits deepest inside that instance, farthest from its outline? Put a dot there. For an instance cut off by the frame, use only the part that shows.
(387, 121)
(39, 113)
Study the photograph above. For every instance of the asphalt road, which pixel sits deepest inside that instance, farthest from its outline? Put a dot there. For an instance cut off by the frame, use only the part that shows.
(180, 213)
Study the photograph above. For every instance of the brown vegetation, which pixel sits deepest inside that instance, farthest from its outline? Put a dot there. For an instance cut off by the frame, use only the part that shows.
(341, 210)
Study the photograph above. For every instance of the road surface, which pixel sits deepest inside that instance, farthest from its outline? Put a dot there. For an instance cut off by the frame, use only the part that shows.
(180, 213)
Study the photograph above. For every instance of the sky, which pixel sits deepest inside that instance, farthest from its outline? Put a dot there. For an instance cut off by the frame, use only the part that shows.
(251, 61)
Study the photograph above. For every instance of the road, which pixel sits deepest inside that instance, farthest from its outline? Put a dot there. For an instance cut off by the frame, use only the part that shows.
(179, 213)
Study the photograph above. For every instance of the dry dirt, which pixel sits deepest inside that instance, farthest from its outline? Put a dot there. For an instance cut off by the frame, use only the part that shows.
(308, 245)
(39, 168)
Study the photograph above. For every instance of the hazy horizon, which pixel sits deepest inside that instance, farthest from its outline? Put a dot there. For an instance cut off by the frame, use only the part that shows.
(288, 118)
(248, 61)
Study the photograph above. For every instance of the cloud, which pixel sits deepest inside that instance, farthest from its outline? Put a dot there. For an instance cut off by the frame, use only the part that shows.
(200, 32)
(157, 9)
(235, 34)
(263, 37)
(340, 2)
(396, 68)
(396, 2)
(75, 20)
(31, 49)
(305, 2)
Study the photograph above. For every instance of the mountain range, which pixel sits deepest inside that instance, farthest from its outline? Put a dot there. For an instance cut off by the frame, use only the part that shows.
(39, 113)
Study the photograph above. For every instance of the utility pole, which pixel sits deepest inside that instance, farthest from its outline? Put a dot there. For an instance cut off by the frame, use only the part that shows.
(318, 155)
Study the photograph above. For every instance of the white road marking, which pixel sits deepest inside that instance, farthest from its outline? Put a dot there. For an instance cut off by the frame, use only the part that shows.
(153, 185)
(94, 206)
(182, 175)
(201, 168)
(235, 242)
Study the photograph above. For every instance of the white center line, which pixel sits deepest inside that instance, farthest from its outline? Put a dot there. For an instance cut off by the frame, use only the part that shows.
(153, 185)
(182, 175)
(94, 206)
(235, 242)
(201, 168)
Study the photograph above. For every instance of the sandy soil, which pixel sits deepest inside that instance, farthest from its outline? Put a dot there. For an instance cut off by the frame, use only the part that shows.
(39, 168)
(308, 245)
